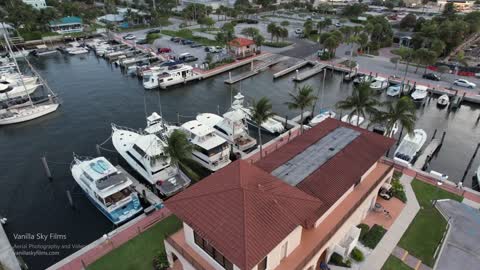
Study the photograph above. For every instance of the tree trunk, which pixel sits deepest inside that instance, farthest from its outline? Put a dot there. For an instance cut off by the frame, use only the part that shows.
(301, 121)
(260, 140)
(358, 120)
(417, 68)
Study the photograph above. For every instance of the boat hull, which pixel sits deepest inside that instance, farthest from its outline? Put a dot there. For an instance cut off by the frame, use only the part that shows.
(41, 111)
(19, 91)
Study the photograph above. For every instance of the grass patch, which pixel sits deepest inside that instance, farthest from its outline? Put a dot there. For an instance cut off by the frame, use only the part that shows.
(394, 263)
(188, 34)
(152, 37)
(139, 252)
(373, 236)
(206, 29)
(279, 44)
(426, 230)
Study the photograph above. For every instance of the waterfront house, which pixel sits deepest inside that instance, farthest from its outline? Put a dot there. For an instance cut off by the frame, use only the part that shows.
(66, 25)
(242, 47)
(37, 4)
(290, 210)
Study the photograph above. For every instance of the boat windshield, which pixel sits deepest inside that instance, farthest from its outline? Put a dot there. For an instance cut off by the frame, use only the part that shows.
(118, 196)
(146, 77)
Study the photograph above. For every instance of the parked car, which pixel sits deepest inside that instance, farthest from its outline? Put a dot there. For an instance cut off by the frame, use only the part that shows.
(213, 49)
(338, 24)
(186, 42)
(141, 41)
(298, 31)
(188, 58)
(195, 45)
(164, 50)
(431, 76)
(176, 39)
(464, 83)
(129, 37)
(153, 31)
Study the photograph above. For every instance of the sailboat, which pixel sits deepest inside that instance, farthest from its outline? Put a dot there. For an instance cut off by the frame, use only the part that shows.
(29, 110)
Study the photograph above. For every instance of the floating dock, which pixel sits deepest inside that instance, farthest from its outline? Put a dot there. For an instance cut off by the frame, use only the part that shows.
(142, 189)
(309, 73)
(425, 157)
(292, 68)
(7, 255)
(242, 76)
(266, 63)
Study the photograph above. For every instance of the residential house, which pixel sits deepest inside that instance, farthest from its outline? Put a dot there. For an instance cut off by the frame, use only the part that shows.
(67, 25)
(290, 210)
(37, 4)
(242, 47)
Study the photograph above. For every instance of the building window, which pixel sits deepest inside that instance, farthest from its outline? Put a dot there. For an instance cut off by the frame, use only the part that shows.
(210, 250)
(263, 264)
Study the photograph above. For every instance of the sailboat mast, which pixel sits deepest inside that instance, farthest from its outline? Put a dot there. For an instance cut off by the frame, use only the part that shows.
(18, 68)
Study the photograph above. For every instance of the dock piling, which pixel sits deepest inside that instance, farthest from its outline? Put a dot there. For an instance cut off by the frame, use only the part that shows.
(470, 163)
(230, 75)
(434, 133)
(47, 169)
(70, 200)
(178, 118)
(478, 118)
(443, 137)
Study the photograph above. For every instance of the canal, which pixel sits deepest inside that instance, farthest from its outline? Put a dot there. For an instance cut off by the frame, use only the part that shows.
(96, 94)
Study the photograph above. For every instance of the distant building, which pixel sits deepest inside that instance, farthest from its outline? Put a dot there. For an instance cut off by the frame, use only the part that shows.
(211, 3)
(38, 4)
(460, 5)
(242, 47)
(66, 25)
(111, 18)
(291, 210)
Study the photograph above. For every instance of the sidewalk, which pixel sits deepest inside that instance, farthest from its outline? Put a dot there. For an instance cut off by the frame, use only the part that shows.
(408, 259)
(380, 254)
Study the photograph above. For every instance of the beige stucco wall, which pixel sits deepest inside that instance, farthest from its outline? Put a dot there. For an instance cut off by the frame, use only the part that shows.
(275, 256)
(169, 250)
(355, 219)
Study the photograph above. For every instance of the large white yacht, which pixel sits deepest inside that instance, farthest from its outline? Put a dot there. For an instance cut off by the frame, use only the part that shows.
(145, 153)
(211, 151)
(271, 125)
(232, 127)
(175, 75)
(10, 91)
(107, 188)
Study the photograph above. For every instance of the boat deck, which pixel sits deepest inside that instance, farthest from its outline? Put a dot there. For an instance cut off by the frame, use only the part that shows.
(427, 154)
(141, 189)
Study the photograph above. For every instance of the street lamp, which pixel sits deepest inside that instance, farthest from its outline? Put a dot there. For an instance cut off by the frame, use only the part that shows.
(439, 184)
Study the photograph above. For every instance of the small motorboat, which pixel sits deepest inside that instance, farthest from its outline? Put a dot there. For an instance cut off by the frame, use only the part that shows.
(353, 119)
(420, 93)
(324, 114)
(443, 101)
(410, 146)
(394, 90)
(379, 83)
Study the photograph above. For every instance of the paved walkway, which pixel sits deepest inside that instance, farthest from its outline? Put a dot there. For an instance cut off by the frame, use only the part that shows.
(102, 246)
(380, 254)
(408, 259)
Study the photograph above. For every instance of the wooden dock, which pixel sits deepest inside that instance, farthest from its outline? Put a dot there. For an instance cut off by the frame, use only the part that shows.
(309, 73)
(266, 63)
(142, 190)
(425, 157)
(242, 76)
(291, 69)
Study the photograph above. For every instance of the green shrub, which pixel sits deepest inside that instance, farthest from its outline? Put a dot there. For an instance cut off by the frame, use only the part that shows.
(357, 255)
(279, 44)
(373, 236)
(182, 25)
(327, 56)
(337, 259)
(398, 190)
(364, 228)
(221, 63)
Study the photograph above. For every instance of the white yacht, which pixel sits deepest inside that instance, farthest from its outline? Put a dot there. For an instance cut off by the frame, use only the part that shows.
(379, 83)
(324, 114)
(156, 125)
(107, 188)
(232, 127)
(353, 119)
(42, 50)
(211, 151)
(9, 92)
(145, 153)
(443, 101)
(382, 129)
(20, 54)
(410, 146)
(420, 93)
(175, 75)
(77, 50)
(15, 79)
(271, 125)
(363, 79)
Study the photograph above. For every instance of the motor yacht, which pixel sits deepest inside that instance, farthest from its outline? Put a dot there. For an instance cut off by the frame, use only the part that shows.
(420, 93)
(232, 126)
(379, 83)
(211, 151)
(107, 188)
(175, 75)
(322, 116)
(443, 101)
(410, 146)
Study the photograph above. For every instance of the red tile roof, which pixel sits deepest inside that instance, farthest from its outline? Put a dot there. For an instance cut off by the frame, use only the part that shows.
(244, 212)
(331, 180)
(241, 42)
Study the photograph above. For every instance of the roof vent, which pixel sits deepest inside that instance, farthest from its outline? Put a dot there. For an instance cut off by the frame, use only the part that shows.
(331, 148)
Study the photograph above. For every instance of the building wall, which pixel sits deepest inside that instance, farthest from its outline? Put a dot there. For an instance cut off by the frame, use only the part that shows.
(355, 219)
(191, 242)
(169, 250)
(38, 4)
(275, 256)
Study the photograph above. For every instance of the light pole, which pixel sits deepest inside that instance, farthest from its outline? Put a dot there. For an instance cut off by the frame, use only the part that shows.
(439, 184)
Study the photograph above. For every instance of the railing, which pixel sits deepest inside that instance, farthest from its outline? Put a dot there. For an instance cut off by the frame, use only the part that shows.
(329, 235)
(185, 254)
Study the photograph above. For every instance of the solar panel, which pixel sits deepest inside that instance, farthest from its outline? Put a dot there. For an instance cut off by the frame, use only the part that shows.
(302, 165)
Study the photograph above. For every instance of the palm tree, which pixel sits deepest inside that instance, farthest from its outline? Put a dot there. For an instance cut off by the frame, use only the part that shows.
(360, 103)
(402, 112)
(261, 111)
(178, 148)
(303, 99)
